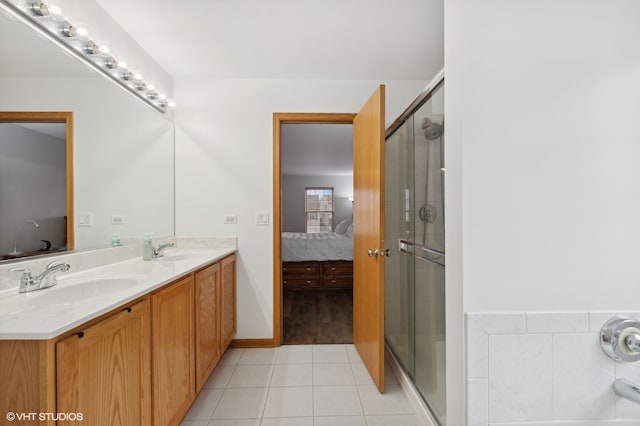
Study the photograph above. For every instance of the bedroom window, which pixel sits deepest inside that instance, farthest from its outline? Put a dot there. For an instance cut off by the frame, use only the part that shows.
(318, 206)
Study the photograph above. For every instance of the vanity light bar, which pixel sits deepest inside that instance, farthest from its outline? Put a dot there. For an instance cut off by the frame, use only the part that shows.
(48, 20)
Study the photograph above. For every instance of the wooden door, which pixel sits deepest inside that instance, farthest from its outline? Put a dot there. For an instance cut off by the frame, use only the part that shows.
(207, 323)
(104, 371)
(228, 300)
(173, 346)
(368, 237)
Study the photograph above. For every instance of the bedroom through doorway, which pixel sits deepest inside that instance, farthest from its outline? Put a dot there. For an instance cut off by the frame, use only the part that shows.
(316, 244)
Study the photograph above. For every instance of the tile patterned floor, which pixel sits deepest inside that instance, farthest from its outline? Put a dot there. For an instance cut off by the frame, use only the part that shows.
(306, 385)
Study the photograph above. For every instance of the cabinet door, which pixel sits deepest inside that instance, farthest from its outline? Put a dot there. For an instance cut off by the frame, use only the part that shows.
(173, 352)
(208, 345)
(104, 371)
(228, 300)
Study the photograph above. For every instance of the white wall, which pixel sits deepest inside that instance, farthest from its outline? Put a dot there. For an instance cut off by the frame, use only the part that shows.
(293, 190)
(551, 182)
(542, 182)
(224, 143)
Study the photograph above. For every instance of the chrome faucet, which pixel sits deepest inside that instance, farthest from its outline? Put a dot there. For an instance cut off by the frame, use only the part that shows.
(159, 252)
(29, 282)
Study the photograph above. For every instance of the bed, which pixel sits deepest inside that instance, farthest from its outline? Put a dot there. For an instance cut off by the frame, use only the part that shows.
(318, 261)
(301, 247)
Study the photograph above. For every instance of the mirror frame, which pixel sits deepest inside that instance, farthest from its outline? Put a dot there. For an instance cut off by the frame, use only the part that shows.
(52, 117)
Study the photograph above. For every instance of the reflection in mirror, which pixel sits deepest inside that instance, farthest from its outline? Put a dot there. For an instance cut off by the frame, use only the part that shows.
(36, 183)
(123, 170)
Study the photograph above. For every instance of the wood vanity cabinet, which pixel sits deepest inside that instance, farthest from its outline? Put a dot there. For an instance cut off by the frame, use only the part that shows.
(207, 323)
(228, 300)
(104, 371)
(140, 364)
(173, 351)
(215, 315)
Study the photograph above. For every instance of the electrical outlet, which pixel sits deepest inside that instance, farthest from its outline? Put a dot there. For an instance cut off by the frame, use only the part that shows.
(118, 219)
(85, 219)
(230, 219)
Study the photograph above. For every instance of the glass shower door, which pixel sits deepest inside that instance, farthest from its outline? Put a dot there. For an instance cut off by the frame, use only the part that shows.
(415, 271)
(399, 271)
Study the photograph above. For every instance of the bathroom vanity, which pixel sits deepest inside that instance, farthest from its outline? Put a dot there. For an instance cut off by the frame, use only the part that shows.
(93, 350)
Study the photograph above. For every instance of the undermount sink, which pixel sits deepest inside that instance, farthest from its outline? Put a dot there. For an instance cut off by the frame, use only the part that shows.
(83, 289)
(177, 257)
(174, 258)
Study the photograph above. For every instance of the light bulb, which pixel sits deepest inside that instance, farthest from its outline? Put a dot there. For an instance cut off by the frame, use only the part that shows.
(40, 9)
(91, 49)
(111, 63)
(127, 75)
(69, 31)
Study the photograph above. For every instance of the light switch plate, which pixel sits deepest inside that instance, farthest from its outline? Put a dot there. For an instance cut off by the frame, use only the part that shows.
(262, 218)
(230, 219)
(85, 219)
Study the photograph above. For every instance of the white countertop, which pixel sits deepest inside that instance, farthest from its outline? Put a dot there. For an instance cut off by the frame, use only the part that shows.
(42, 315)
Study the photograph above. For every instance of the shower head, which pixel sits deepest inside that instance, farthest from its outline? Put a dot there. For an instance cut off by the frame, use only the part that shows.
(431, 130)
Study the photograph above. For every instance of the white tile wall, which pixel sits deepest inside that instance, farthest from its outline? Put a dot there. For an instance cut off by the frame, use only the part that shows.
(544, 368)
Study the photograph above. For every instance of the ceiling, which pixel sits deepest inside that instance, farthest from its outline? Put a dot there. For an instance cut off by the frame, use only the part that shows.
(317, 149)
(283, 39)
(55, 130)
(324, 39)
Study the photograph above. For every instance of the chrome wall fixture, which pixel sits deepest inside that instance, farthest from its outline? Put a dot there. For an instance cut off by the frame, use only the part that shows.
(49, 20)
(620, 340)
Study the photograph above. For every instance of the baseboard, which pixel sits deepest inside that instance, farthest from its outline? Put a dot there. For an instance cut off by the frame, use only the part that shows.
(416, 401)
(251, 343)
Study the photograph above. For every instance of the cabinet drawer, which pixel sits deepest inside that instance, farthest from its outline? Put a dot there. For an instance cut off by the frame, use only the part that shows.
(338, 282)
(300, 268)
(301, 284)
(337, 268)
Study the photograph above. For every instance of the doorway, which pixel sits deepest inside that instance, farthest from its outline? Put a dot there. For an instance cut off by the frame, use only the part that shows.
(368, 227)
(312, 313)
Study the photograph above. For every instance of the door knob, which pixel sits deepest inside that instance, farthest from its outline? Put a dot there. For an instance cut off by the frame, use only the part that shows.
(387, 252)
(372, 253)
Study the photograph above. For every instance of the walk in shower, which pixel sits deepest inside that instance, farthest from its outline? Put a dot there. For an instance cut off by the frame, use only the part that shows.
(414, 232)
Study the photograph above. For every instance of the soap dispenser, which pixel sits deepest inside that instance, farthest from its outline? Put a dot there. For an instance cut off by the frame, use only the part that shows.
(147, 247)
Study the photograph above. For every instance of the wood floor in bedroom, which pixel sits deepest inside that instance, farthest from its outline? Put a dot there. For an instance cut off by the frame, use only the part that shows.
(316, 316)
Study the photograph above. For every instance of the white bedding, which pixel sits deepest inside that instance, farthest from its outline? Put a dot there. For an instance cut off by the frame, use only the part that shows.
(301, 247)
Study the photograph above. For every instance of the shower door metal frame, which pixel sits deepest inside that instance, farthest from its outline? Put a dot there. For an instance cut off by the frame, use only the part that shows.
(420, 100)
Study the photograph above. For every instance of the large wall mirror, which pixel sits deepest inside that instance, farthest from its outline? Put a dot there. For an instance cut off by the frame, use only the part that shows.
(123, 152)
